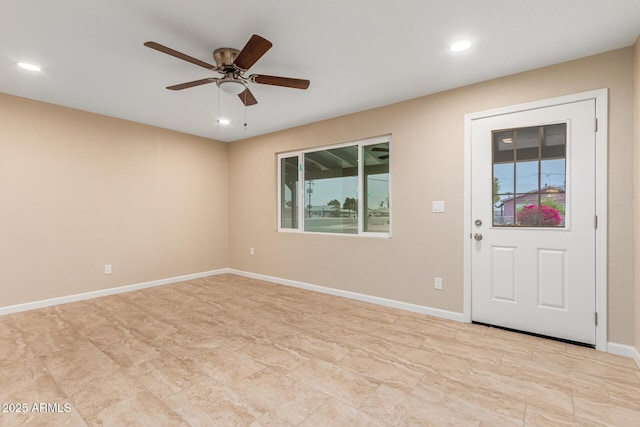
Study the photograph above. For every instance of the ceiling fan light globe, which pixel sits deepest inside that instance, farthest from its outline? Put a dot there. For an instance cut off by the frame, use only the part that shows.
(233, 87)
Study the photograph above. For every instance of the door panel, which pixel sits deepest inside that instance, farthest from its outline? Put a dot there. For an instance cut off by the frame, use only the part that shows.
(503, 273)
(552, 279)
(533, 192)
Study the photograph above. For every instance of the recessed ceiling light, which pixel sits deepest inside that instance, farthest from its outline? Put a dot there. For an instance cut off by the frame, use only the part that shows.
(460, 45)
(30, 67)
(224, 121)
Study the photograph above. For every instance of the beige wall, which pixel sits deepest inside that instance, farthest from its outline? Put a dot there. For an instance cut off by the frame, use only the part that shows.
(79, 190)
(636, 182)
(428, 135)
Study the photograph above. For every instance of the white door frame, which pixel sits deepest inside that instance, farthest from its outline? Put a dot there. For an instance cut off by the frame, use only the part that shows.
(601, 97)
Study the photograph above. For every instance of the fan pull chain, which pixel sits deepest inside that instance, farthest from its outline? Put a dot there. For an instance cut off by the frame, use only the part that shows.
(245, 110)
(218, 116)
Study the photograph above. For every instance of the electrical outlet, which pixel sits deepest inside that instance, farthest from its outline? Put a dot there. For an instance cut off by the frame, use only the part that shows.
(437, 283)
(107, 269)
(252, 251)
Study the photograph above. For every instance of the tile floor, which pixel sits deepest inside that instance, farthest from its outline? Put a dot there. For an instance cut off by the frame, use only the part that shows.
(231, 351)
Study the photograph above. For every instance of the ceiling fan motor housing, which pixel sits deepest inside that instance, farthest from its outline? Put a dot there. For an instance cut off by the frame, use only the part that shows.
(233, 81)
(225, 57)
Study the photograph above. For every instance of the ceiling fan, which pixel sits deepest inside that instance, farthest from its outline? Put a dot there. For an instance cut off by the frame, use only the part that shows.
(233, 64)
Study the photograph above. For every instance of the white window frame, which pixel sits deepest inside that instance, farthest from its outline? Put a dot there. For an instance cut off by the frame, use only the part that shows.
(361, 208)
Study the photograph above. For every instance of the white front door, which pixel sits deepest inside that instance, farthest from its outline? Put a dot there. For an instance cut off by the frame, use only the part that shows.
(533, 212)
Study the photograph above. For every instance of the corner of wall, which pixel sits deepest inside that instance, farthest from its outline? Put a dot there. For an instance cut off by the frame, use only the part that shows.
(636, 202)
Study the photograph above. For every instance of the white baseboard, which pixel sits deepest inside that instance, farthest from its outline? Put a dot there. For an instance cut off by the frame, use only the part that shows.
(613, 348)
(104, 292)
(624, 350)
(450, 315)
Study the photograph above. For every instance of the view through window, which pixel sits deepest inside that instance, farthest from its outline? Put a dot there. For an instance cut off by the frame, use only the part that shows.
(529, 176)
(346, 189)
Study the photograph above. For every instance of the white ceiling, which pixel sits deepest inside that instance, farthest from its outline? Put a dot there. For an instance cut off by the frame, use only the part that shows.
(358, 54)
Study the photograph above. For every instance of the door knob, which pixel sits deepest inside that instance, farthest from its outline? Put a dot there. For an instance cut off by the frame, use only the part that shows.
(477, 236)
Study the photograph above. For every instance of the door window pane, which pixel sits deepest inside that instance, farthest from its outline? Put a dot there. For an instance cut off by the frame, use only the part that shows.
(529, 176)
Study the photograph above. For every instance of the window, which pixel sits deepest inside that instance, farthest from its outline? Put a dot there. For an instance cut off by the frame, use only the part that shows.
(289, 189)
(345, 189)
(529, 176)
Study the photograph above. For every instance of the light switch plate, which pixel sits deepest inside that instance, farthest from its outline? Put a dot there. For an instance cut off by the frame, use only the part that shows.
(437, 206)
